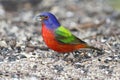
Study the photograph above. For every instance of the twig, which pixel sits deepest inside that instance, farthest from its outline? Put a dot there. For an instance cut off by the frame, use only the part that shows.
(109, 47)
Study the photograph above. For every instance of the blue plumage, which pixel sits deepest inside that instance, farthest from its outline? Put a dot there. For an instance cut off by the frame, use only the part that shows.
(51, 23)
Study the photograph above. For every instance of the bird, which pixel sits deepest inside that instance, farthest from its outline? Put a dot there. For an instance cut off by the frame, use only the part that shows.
(59, 38)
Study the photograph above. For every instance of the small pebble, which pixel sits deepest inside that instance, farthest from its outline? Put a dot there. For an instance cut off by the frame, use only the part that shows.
(29, 49)
(103, 67)
(22, 56)
(18, 49)
(58, 68)
(3, 44)
(109, 59)
(12, 58)
(77, 65)
(1, 73)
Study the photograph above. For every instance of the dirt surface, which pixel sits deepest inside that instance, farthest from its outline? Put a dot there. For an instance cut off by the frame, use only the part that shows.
(24, 55)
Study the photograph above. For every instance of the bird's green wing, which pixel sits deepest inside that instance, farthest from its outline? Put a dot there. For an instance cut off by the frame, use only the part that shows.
(63, 35)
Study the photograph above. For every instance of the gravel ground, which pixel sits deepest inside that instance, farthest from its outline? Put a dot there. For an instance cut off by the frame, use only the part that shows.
(24, 55)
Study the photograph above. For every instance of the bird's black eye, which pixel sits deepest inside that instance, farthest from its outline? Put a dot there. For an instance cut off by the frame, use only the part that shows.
(43, 17)
(46, 17)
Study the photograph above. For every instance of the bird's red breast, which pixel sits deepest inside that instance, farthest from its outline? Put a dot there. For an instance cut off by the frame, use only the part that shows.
(52, 43)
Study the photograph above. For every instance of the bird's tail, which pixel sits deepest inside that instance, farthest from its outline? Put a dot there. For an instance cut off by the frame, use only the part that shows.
(91, 47)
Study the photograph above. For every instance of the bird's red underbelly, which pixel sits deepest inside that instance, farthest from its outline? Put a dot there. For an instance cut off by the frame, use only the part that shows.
(50, 41)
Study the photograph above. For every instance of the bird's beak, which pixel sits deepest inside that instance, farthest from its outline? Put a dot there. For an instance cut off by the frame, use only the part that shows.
(40, 18)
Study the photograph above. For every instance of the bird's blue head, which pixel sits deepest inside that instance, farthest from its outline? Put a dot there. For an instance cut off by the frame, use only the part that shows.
(49, 20)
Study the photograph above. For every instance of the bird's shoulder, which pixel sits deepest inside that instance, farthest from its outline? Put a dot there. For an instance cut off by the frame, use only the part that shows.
(64, 35)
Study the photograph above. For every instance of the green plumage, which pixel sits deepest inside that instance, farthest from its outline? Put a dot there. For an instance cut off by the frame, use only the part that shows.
(63, 35)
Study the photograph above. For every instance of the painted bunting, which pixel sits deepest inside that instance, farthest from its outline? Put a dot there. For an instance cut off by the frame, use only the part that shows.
(57, 37)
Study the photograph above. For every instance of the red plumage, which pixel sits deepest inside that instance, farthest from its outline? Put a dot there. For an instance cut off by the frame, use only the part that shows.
(52, 43)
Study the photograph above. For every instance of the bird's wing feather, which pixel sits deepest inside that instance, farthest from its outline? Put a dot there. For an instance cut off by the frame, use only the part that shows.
(63, 35)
